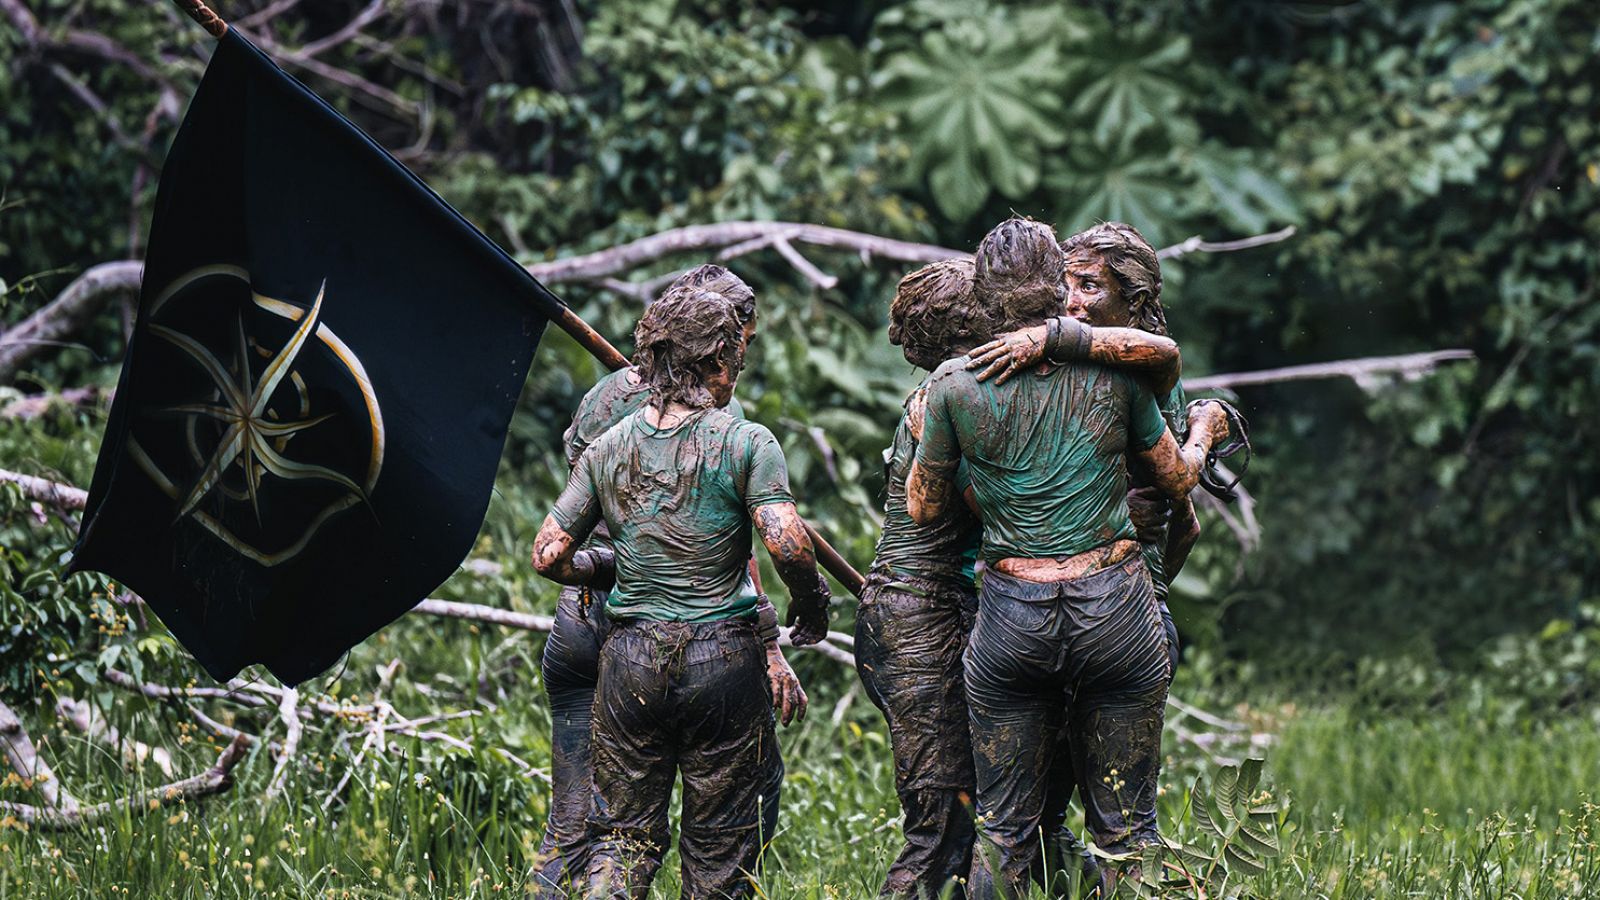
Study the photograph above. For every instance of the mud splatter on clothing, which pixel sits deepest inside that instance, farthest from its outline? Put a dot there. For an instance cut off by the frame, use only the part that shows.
(691, 698)
(944, 551)
(678, 503)
(1045, 452)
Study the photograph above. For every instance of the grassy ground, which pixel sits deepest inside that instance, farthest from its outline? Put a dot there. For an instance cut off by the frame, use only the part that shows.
(1445, 806)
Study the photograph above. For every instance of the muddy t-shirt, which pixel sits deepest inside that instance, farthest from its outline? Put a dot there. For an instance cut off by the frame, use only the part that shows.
(1044, 451)
(1174, 409)
(678, 502)
(945, 550)
(612, 399)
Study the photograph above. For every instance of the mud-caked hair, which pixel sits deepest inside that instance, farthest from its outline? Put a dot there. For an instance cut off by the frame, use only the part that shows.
(935, 315)
(1133, 262)
(685, 336)
(1019, 272)
(719, 280)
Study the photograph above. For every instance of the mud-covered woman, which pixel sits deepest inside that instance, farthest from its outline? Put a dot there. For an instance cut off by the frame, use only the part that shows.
(1113, 279)
(683, 685)
(918, 606)
(1068, 638)
(571, 660)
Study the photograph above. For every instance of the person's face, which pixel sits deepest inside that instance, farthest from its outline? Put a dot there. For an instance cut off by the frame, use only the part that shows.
(720, 382)
(1093, 294)
(750, 331)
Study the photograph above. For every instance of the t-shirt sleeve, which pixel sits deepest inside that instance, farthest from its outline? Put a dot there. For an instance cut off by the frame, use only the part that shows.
(734, 408)
(1145, 424)
(766, 473)
(577, 510)
(938, 451)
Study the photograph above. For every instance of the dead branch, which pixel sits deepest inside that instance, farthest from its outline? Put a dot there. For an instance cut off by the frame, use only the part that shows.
(1196, 245)
(477, 612)
(65, 314)
(289, 713)
(88, 720)
(804, 266)
(214, 780)
(163, 692)
(590, 267)
(1365, 371)
(63, 497)
(36, 405)
(34, 771)
(362, 19)
(732, 239)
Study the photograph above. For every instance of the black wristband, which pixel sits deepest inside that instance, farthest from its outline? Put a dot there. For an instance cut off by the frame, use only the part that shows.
(1066, 340)
(766, 619)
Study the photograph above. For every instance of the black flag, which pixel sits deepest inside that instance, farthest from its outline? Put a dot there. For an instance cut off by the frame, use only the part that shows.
(316, 395)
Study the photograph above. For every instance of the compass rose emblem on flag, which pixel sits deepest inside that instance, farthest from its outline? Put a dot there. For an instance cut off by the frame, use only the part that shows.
(237, 434)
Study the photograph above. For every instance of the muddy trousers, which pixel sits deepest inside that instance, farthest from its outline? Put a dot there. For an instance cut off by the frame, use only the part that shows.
(571, 666)
(1067, 683)
(910, 635)
(693, 699)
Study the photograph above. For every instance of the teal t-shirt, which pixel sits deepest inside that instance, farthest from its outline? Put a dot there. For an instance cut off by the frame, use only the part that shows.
(946, 550)
(1044, 451)
(678, 502)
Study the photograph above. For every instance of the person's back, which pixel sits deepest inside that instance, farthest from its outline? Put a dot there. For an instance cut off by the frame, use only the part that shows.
(678, 503)
(1044, 452)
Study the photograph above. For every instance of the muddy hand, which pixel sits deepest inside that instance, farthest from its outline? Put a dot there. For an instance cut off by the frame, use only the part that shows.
(916, 411)
(788, 698)
(1149, 509)
(1009, 354)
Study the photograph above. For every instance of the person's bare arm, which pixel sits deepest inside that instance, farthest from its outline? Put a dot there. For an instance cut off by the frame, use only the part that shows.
(928, 492)
(784, 535)
(788, 697)
(1157, 358)
(556, 557)
(1182, 534)
(1176, 469)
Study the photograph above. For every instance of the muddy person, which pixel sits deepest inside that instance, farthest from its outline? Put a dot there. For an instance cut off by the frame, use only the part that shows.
(683, 684)
(1113, 279)
(918, 606)
(572, 653)
(1068, 637)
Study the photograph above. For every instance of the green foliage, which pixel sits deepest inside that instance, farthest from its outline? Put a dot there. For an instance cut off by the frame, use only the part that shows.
(1240, 829)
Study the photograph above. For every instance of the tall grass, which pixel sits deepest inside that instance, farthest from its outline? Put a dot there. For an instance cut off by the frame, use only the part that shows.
(1445, 806)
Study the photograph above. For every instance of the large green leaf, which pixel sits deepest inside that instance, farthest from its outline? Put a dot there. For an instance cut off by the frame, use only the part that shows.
(980, 98)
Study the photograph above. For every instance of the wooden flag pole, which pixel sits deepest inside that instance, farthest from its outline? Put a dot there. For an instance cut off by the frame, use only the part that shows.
(591, 340)
(200, 12)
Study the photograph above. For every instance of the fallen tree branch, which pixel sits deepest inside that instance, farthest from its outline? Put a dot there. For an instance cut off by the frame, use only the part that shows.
(1196, 245)
(732, 239)
(214, 780)
(63, 497)
(1364, 371)
(72, 307)
(88, 720)
(289, 713)
(478, 612)
(25, 760)
(33, 406)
